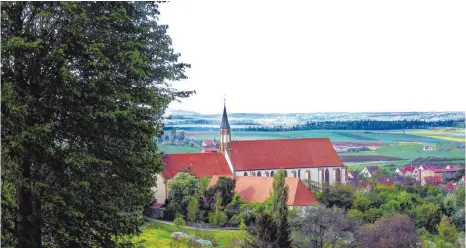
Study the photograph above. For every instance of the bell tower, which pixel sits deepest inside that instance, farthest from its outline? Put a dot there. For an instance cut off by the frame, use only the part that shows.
(225, 131)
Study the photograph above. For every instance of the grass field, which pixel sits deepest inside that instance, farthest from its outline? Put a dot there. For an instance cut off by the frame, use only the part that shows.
(177, 149)
(157, 235)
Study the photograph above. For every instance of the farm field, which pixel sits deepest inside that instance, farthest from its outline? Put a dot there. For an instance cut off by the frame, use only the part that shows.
(177, 149)
(391, 146)
(157, 235)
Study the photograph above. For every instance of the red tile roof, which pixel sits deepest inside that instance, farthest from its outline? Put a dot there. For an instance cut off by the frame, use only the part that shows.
(283, 153)
(209, 149)
(435, 180)
(407, 168)
(258, 189)
(429, 166)
(443, 170)
(201, 164)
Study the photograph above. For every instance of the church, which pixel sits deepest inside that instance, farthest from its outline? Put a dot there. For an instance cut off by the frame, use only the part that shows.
(304, 158)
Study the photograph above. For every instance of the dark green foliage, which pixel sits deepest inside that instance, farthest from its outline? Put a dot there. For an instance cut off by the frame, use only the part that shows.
(279, 208)
(226, 187)
(340, 196)
(84, 89)
(264, 233)
(181, 190)
(428, 216)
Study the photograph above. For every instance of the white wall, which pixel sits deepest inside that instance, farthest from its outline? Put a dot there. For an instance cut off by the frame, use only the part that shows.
(159, 191)
(315, 175)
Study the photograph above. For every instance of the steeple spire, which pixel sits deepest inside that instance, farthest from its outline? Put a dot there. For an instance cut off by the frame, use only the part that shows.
(225, 124)
(225, 132)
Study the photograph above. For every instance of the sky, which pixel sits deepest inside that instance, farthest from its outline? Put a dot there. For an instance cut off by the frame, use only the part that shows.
(319, 56)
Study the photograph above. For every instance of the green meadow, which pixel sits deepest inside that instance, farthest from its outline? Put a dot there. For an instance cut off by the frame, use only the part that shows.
(157, 235)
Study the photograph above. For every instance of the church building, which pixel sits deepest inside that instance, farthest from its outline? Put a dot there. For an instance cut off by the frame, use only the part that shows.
(304, 158)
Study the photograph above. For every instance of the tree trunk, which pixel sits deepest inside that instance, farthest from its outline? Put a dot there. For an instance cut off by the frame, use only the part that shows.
(27, 219)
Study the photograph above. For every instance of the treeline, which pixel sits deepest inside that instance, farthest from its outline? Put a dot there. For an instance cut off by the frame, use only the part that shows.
(362, 125)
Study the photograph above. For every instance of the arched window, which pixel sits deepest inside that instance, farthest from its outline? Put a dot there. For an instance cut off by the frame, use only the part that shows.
(294, 173)
(299, 173)
(338, 175)
(271, 173)
(327, 176)
(259, 174)
(245, 174)
(253, 174)
(308, 175)
(286, 173)
(267, 174)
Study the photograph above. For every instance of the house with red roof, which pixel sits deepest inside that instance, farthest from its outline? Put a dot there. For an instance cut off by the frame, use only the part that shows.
(258, 189)
(307, 159)
(427, 167)
(407, 170)
(369, 171)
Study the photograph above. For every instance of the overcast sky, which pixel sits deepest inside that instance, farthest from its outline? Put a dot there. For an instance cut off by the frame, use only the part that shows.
(320, 56)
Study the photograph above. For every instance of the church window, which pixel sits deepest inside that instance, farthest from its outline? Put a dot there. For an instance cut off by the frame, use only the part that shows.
(299, 173)
(294, 173)
(338, 175)
(266, 173)
(327, 176)
(245, 174)
(271, 174)
(286, 173)
(258, 173)
(253, 174)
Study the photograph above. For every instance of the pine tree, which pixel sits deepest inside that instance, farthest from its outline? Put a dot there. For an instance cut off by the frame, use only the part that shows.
(279, 209)
(84, 89)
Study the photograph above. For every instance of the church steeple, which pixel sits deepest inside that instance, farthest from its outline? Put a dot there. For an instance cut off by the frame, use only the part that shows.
(225, 131)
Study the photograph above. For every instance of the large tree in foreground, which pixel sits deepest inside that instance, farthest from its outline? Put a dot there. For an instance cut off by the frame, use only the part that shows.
(84, 89)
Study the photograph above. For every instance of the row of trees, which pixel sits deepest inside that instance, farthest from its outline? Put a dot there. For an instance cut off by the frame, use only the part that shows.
(361, 125)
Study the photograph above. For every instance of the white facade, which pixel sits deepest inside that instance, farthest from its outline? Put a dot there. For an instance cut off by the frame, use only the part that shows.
(160, 192)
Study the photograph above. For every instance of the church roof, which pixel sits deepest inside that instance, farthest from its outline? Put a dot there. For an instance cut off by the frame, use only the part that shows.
(201, 164)
(225, 124)
(283, 153)
(258, 189)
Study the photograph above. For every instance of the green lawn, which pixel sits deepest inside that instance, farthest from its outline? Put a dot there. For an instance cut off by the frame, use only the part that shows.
(157, 235)
(177, 149)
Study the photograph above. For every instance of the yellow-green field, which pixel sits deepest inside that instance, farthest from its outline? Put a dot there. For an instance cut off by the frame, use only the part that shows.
(157, 235)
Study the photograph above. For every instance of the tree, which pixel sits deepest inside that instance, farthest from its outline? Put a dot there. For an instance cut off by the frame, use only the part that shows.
(193, 208)
(84, 89)
(264, 233)
(446, 230)
(391, 232)
(320, 226)
(217, 216)
(203, 185)
(181, 188)
(427, 215)
(340, 196)
(226, 187)
(279, 208)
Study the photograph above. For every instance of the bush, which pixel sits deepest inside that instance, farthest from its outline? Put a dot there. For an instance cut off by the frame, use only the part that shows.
(218, 218)
(179, 221)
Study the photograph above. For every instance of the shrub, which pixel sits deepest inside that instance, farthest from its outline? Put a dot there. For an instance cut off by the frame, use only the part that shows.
(179, 221)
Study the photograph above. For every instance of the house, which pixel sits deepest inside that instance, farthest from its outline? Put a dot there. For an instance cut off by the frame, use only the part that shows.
(369, 171)
(427, 167)
(407, 170)
(258, 189)
(431, 180)
(312, 159)
(454, 166)
(209, 143)
(341, 148)
(208, 149)
(428, 148)
(353, 174)
(443, 174)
